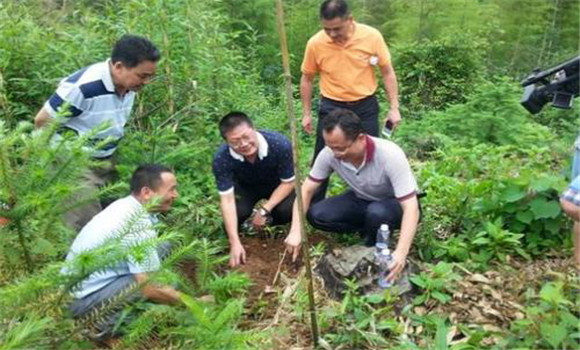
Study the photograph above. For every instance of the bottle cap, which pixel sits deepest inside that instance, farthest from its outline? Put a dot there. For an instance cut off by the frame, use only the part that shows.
(384, 227)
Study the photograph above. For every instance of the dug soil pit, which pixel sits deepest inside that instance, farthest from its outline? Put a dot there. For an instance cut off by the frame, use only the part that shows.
(263, 261)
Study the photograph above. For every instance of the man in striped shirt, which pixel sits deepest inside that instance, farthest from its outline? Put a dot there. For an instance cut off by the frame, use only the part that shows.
(101, 96)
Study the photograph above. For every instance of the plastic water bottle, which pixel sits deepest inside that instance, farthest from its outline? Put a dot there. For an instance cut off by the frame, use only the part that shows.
(383, 255)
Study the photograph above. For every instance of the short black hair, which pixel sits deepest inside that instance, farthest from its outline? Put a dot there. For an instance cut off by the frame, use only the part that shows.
(233, 119)
(331, 9)
(346, 120)
(131, 50)
(147, 175)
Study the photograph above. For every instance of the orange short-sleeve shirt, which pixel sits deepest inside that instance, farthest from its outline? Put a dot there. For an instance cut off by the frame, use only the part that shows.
(346, 72)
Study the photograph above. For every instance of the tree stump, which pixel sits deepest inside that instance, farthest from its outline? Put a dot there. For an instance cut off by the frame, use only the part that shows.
(357, 263)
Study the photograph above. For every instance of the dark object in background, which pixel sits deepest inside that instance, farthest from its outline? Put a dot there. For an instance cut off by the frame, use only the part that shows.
(561, 90)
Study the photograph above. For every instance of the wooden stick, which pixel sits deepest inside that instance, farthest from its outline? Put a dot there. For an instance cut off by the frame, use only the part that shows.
(295, 154)
(279, 268)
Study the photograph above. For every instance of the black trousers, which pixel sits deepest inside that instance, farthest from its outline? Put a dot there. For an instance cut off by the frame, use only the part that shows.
(248, 196)
(348, 213)
(366, 109)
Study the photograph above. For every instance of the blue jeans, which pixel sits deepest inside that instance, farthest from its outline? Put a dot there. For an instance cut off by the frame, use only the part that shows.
(348, 213)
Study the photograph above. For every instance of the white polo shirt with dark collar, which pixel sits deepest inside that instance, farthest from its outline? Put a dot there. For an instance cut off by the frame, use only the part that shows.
(93, 100)
(384, 173)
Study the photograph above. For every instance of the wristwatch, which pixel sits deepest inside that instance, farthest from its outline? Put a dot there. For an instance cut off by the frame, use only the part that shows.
(263, 212)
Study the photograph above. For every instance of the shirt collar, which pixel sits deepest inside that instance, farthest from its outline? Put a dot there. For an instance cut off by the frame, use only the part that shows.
(108, 77)
(262, 149)
(138, 206)
(369, 155)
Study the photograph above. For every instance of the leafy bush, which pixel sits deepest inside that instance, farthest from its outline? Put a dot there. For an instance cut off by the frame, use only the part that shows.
(435, 282)
(469, 188)
(551, 321)
(491, 115)
(435, 74)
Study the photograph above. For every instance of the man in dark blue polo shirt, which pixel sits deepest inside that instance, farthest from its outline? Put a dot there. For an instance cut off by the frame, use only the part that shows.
(253, 165)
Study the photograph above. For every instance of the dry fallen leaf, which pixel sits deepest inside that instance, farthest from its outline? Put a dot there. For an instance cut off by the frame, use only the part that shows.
(476, 277)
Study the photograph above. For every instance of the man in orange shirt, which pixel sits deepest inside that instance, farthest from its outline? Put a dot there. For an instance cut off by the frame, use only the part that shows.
(345, 54)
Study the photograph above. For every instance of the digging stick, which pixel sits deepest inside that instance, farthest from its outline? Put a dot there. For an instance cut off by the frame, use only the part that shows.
(295, 154)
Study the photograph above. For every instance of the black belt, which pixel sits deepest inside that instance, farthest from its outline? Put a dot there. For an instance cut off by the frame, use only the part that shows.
(349, 103)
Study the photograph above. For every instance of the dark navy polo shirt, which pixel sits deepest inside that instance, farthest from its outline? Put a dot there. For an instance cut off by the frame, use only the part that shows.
(268, 170)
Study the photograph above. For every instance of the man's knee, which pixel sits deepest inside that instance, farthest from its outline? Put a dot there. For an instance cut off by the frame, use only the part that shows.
(571, 209)
(319, 214)
(378, 213)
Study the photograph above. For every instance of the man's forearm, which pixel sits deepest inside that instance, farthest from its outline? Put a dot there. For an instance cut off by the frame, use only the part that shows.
(279, 194)
(161, 294)
(306, 94)
(409, 224)
(41, 119)
(230, 217)
(307, 190)
(392, 86)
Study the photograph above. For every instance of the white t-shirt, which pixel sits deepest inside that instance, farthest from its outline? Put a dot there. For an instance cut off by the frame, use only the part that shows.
(125, 220)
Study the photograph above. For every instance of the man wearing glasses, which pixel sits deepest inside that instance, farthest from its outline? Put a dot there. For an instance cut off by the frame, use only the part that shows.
(383, 189)
(252, 166)
(345, 54)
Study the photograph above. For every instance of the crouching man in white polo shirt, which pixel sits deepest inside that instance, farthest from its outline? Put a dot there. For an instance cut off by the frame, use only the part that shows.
(126, 223)
(383, 189)
(102, 93)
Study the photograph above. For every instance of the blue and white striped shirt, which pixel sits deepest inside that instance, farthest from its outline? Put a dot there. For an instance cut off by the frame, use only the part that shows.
(93, 101)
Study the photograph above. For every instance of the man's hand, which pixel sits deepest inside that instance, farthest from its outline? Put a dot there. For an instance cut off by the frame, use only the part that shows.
(237, 255)
(397, 266)
(258, 221)
(293, 242)
(307, 123)
(394, 116)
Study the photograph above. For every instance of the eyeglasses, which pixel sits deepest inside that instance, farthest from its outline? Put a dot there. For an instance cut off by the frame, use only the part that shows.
(341, 149)
(241, 141)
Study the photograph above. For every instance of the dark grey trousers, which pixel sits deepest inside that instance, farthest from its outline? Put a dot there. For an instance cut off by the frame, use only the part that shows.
(111, 300)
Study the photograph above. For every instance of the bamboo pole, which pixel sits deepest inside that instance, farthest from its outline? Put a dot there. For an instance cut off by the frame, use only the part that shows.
(297, 173)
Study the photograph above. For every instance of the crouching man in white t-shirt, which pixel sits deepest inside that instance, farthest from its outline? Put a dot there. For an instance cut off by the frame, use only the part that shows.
(125, 224)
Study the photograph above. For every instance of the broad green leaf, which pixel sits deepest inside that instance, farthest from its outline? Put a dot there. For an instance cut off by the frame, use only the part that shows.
(375, 298)
(441, 335)
(544, 209)
(442, 297)
(525, 216)
(543, 183)
(554, 334)
(418, 280)
(513, 193)
(552, 293)
(481, 241)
